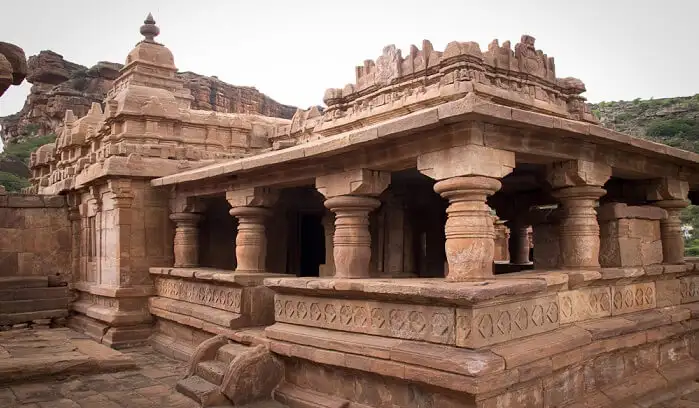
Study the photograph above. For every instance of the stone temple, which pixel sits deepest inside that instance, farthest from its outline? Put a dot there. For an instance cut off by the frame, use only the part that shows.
(454, 229)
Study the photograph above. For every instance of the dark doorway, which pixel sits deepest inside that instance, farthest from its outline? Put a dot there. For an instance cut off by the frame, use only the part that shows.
(312, 244)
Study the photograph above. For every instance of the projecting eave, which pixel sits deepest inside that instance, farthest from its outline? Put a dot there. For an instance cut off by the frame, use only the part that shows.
(546, 135)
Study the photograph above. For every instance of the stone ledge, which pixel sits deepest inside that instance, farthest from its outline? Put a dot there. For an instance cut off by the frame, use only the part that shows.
(228, 320)
(216, 275)
(439, 357)
(31, 201)
(110, 291)
(431, 291)
(111, 316)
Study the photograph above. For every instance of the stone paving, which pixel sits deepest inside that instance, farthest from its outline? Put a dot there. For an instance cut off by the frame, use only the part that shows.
(151, 385)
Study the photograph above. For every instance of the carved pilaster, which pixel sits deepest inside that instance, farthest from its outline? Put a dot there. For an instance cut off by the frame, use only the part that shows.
(186, 244)
(469, 230)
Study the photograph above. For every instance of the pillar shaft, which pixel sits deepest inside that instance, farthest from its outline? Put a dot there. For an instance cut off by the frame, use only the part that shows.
(186, 244)
(328, 269)
(352, 239)
(251, 241)
(671, 231)
(519, 248)
(469, 230)
(578, 228)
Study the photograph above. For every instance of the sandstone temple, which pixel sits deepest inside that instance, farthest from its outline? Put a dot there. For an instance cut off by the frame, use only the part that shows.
(454, 229)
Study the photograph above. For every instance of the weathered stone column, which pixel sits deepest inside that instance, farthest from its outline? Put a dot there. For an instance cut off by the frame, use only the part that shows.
(519, 243)
(251, 208)
(328, 269)
(466, 176)
(186, 213)
(502, 238)
(349, 196)
(578, 186)
(186, 245)
(670, 195)
(469, 230)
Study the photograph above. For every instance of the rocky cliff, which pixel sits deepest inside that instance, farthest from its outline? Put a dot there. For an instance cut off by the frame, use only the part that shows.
(672, 121)
(59, 85)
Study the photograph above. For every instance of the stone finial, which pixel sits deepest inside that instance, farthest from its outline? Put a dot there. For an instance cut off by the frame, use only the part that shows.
(149, 29)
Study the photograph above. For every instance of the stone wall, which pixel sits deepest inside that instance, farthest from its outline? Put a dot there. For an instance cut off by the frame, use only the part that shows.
(34, 236)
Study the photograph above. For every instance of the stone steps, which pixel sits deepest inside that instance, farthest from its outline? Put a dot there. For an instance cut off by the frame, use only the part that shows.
(34, 293)
(217, 359)
(201, 391)
(7, 319)
(212, 371)
(24, 299)
(18, 282)
(26, 306)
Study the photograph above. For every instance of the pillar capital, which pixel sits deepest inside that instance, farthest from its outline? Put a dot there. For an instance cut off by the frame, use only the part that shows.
(253, 197)
(363, 182)
(351, 238)
(578, 173)
(466, 160)
(469, 230)
(186, 218)
(185, 204)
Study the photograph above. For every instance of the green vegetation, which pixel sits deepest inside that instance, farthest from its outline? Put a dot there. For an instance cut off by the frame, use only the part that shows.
(21, 151)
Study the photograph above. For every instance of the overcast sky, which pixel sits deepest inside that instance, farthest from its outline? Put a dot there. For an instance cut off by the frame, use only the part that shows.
(294, 50)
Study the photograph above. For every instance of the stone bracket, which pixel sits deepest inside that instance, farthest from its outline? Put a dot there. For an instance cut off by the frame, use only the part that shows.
(353, 182)
(252, 197)
(667, 189)
(467, 160)
(578, 173)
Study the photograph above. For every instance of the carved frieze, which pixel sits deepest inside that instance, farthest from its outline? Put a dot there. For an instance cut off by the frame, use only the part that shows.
(216, 296)
(412, 322)
(689, 289)
(632, 298)
(496, 324)
(583, 304)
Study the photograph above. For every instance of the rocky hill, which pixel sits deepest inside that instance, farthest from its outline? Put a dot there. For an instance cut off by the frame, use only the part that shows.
(58, 85)
(672, 121)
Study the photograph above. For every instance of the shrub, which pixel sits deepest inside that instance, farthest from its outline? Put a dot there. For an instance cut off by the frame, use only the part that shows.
(30, 130)
(23, 150)
(669, 128)
(13, 182)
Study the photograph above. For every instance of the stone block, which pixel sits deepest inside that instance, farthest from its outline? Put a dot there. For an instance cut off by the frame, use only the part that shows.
(525, 396)
(632, 298)
(496, 324)
(563, 386)
(466, 160)
(532, 348)
(24, 201)
(583, 304)
(668, 292)
(578, 172)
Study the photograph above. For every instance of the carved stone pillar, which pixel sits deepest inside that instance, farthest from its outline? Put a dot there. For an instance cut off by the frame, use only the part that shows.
(466, 176)
(328, 269)
(349, 196)
(578, 186)
(670, 195)
(469, 230)
(502, 238)
(251, 208)
(519, 243)
(186, 246)
(351, 239)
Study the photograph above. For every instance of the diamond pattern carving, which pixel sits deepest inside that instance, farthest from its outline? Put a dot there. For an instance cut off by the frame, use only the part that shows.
(635, 297)
(485, 327)
(405, 321)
